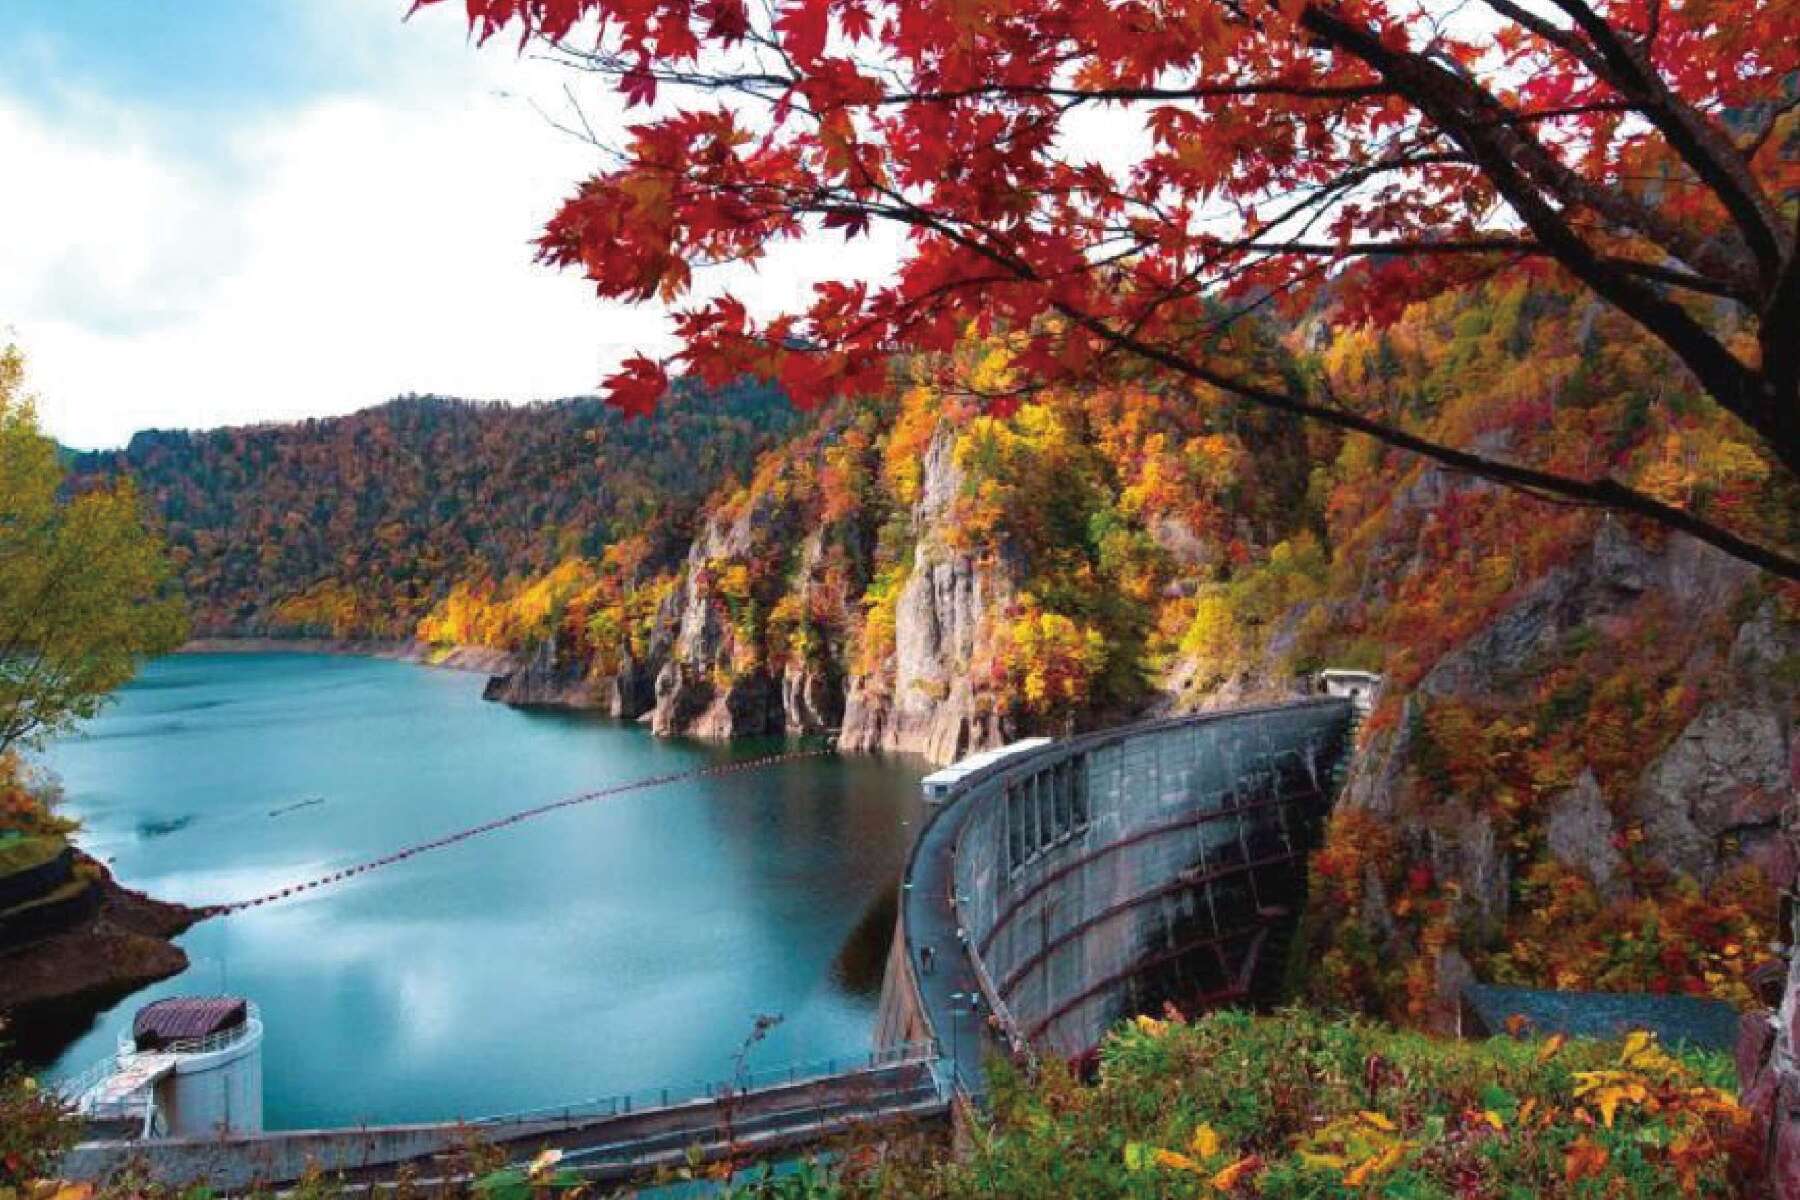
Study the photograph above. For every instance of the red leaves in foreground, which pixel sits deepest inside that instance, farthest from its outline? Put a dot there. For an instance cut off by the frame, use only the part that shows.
(638, 387)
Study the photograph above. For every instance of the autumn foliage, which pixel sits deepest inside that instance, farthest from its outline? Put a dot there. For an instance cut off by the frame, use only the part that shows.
(1110, 180)
(1295, 1106)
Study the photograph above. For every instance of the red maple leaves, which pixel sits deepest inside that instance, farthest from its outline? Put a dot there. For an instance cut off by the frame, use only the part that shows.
(1257, 156)
(638, 386)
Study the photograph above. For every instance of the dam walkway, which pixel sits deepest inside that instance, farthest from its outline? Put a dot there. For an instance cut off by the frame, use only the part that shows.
(606, 1139)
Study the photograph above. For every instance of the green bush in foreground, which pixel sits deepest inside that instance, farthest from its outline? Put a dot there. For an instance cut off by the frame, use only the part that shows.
(1298, 1105)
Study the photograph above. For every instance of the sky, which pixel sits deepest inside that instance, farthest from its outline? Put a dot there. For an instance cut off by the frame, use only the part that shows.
(218, 212)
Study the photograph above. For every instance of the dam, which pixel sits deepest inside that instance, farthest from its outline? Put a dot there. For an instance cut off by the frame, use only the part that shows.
(1052, 892)
(1056, 892)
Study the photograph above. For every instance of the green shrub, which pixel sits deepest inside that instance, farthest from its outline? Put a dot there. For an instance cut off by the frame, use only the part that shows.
(1298, 1105)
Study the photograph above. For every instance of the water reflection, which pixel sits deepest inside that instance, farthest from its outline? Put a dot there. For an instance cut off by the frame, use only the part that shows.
(599, 948)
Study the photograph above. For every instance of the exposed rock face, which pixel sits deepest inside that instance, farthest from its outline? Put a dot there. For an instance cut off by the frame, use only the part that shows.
(1462, 846)
(812, 699)
(1579, 832)
(711, 685)
(1721, 790)
(923, 699)
(1596, 590)
(543, 680)
(550, 677)
(1714, 799)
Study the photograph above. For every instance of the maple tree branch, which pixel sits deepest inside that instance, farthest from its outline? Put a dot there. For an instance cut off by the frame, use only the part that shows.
(1604, 493)
(1509, 158)
(1124, 94)
(1760, 138)
(1672, 276)
(1706, 148)
(1780, 323)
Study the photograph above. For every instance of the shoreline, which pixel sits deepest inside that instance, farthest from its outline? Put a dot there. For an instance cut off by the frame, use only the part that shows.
(54, 987)
(483, 660)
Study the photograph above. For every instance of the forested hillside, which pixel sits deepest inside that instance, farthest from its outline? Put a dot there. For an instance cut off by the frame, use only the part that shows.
(352, 527)
(1575, 776)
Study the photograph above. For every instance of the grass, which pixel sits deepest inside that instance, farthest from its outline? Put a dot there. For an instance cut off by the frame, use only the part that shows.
(23, 852)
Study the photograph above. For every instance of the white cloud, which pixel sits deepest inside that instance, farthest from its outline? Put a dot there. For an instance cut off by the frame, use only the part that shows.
(319, 260)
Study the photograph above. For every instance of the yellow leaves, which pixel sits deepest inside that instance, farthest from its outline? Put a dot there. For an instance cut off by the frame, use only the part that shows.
(53, 1189)
(1551, 1045)
(1203, 1145)
(1362, 1146)
(1494, 1119)
(992, 374)
(1642, 1064)
(1053, 659)
(1587, 1083)
(733, 581)
(1608, 1100)
(1641, 1053)
(1381, 1164)
(1179, 1162)
(1149, 1026)
(1205, 1142)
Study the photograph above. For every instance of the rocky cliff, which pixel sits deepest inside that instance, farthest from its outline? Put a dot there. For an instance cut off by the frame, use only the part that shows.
(1595, 788)
(776, 622)
(747, 635)
(922, 695)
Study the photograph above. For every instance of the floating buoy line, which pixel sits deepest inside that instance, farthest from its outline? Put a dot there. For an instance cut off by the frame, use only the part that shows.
(524, 814)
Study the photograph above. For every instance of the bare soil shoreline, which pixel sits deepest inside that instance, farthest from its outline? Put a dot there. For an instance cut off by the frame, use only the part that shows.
(52, 987)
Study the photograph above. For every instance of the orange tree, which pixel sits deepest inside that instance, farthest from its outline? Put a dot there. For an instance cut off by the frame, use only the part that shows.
(1260, 153)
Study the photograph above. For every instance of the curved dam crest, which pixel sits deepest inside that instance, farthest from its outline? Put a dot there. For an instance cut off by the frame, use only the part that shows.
(1054, 893)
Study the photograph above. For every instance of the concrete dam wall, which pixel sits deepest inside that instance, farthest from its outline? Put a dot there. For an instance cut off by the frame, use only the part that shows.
(1107, 874)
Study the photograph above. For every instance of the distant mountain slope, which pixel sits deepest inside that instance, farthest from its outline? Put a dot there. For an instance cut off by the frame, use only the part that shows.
(353, 526)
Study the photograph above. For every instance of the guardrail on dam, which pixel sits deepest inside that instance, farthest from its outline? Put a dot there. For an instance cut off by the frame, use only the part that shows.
(1097, 877)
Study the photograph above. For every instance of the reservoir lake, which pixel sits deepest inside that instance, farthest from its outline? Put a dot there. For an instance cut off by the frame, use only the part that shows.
(623, 944)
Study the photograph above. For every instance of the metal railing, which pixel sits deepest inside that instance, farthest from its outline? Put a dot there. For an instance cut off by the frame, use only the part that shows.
(76, 1087)
(90, 1077)
(646, 1099)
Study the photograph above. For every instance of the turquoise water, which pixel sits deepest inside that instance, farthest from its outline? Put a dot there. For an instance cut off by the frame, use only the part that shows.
(611, 946)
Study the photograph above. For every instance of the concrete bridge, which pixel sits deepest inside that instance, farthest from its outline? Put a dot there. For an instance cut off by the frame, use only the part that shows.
(1047, 897)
